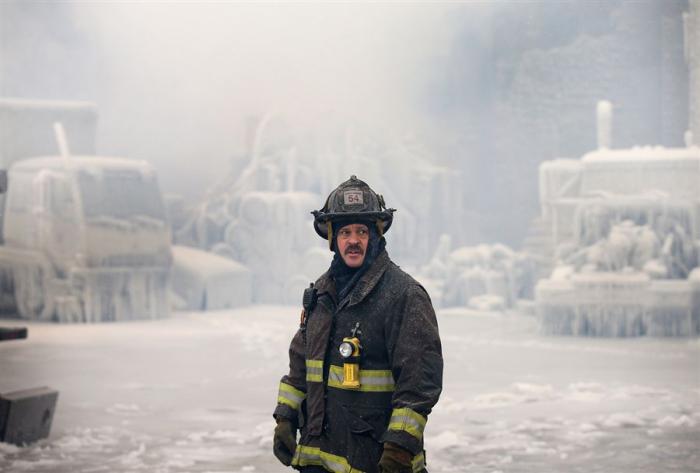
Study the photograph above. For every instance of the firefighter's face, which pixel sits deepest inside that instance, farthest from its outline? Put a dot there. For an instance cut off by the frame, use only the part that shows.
(352, 244)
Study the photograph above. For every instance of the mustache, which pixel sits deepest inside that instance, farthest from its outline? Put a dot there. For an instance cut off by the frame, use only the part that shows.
(356, 247)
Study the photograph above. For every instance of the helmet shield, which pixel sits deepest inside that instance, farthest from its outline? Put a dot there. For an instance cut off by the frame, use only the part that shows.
(353, 201)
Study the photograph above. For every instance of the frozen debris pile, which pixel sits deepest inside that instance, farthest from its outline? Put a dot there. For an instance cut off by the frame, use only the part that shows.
(483, 277)
(626, 227)
(261, 216)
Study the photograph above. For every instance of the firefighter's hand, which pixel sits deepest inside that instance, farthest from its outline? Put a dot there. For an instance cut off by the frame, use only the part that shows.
(395, 459)
(285, 441)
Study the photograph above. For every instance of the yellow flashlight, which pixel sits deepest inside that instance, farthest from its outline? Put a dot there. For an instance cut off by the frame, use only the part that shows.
(350, 351)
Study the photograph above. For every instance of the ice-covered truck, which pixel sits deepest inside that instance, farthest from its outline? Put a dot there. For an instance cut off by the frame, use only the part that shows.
(84, 238)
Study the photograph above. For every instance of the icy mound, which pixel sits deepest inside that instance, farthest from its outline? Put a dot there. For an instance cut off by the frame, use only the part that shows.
(488, 277)
(206, 281)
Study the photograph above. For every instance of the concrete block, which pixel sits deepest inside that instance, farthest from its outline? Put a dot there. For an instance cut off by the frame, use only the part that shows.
(26, 415)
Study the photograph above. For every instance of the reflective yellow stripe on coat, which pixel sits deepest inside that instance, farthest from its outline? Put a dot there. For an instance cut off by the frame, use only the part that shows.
(407, 420)
(290, 396)
(314, 371)
(370, 380)
(314, 456)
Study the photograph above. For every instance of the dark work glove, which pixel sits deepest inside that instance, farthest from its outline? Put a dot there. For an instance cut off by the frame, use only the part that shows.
(285, 441)
(395, 459)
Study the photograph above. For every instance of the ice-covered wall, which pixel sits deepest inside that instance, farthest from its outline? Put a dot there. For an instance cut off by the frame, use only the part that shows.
(553, 62)
(635, 181)
(692, 55)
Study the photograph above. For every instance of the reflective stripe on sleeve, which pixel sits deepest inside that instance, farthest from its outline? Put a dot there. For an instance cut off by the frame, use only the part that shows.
(290, 396)
(370, 380)
(314, 456)
(418, 463)
(407, 420)
(314, 370)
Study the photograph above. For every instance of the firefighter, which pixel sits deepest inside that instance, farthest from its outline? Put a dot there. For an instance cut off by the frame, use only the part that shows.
(365, 366)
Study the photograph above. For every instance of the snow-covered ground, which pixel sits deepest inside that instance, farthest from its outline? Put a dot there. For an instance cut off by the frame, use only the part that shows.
(194, 393)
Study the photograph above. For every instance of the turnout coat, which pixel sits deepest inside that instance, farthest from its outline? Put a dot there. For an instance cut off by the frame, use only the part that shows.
(343, 429)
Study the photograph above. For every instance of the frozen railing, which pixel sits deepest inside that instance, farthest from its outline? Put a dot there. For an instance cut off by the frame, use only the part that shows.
(596, 218)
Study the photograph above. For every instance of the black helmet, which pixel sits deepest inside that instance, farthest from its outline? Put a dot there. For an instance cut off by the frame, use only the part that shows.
(352, 200)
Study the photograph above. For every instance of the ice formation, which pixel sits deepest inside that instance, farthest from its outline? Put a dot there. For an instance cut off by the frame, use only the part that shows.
(261, 216)
(205, 281)
(85, 240)
(488, 277)
(626, 226)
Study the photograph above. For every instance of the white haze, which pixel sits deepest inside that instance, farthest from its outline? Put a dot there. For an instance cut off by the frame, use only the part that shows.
(490, 89)
(177, 80)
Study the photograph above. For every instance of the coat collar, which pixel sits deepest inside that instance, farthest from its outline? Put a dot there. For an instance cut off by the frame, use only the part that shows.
(325, 285)
(367, 282)
(362, 288)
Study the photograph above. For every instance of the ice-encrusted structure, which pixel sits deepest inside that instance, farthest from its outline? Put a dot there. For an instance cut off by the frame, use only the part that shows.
(84, 237)
(85, 240)
(261, 215)
(205, 281)
(486, 277)
(626, 227)
(257, 218)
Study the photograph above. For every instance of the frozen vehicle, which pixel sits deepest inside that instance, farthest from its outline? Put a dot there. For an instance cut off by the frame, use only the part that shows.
(85, 240)
(27, 129)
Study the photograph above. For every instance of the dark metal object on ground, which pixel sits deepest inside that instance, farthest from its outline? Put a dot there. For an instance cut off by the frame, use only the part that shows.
(12, 333)
(25, 416)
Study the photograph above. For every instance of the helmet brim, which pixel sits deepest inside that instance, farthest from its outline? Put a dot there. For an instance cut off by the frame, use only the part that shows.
(321, 227)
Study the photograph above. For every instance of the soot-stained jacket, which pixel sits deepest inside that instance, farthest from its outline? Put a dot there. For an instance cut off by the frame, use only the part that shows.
(343, 429)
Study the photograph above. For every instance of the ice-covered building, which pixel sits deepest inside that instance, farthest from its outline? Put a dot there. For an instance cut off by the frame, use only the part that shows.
(625, 225)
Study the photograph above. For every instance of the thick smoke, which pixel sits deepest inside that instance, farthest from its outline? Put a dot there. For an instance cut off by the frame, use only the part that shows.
(490, 89)
(177, 81)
